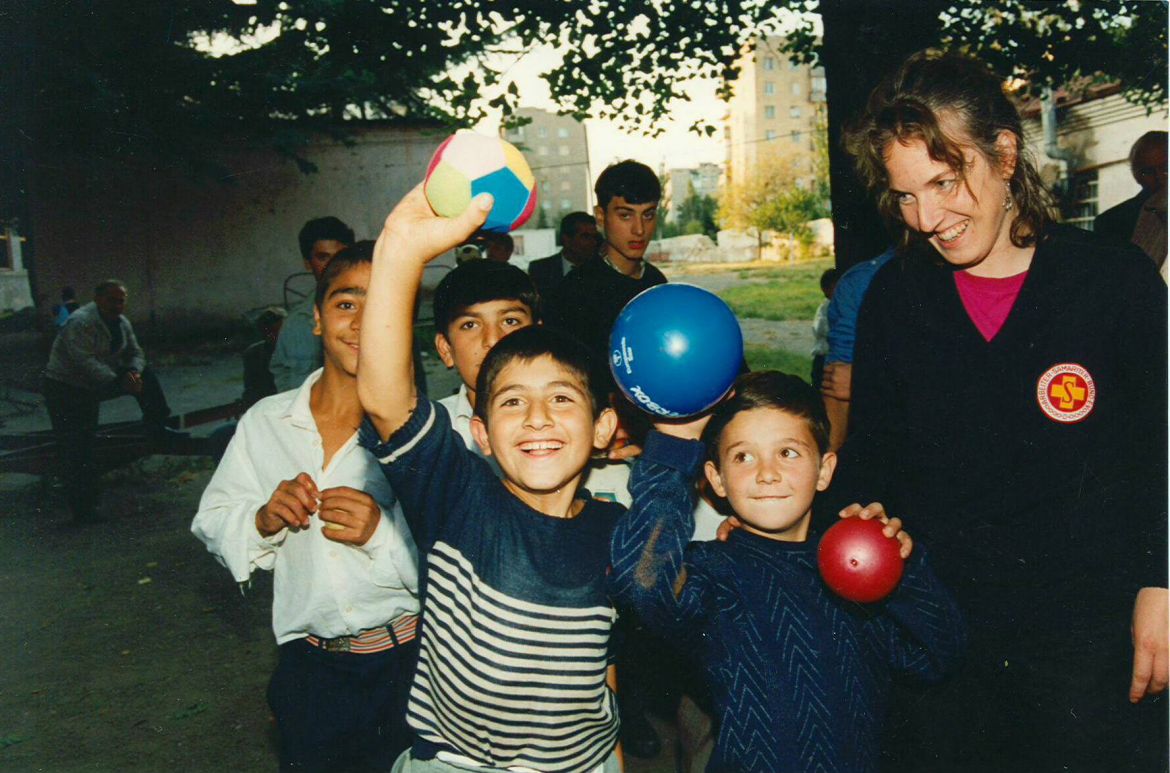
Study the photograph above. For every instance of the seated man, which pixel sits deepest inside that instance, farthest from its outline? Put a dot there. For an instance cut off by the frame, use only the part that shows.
(96, 357)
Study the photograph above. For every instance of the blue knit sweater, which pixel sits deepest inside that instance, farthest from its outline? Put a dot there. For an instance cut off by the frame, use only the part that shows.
(799, 676)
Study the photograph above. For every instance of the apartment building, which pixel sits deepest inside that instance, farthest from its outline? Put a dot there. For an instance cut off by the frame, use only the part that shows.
(558, 152)
(777, 106)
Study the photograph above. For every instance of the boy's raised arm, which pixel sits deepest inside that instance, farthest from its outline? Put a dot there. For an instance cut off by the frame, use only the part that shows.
(411, 236)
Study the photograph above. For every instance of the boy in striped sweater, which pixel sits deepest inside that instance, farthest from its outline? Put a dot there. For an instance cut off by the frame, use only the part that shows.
(514, 663)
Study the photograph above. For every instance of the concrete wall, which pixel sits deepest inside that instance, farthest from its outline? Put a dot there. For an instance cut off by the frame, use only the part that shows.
(196, 253)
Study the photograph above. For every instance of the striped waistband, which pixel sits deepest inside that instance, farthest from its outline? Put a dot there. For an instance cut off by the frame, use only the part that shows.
(371, 641)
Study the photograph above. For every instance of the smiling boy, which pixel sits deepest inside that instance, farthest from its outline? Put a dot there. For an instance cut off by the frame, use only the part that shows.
(513, 662)
(296, 495)
(476, 305)
(799, 676)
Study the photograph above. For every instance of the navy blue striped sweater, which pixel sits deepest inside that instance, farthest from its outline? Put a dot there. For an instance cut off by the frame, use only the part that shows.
(799, 677)
(516, 612)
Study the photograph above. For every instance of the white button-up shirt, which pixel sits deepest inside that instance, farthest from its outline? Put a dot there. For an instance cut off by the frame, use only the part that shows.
(321, 587)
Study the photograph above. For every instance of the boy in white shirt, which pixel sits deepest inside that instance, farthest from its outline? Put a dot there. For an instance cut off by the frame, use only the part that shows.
(296, 495)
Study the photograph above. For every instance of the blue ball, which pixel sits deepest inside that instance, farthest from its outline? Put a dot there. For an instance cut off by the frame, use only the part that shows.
(675, 350)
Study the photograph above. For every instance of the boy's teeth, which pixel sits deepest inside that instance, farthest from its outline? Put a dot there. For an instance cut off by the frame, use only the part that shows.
(541, 445)
(951, 234)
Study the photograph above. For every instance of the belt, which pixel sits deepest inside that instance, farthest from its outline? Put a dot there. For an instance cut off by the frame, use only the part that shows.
(371, 641)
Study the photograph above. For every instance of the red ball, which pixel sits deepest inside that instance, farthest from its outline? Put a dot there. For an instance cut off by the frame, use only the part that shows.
(859, 562)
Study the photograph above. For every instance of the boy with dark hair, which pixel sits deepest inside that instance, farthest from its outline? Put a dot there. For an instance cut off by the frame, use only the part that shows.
(298, 352)
(475, 305)
(590, 298)
(296, 495)
(514, 655)
(799, 676)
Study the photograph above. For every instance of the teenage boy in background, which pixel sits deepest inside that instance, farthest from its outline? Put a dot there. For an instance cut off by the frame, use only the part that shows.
(298, 351)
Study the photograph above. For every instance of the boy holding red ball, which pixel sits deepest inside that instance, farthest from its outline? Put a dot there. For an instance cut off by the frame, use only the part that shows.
(799, 676)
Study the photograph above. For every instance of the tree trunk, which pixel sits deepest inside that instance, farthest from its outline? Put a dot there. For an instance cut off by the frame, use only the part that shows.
(864, 40)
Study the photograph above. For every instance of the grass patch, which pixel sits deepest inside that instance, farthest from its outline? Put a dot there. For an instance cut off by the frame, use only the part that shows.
(766, 358)
(785, 293)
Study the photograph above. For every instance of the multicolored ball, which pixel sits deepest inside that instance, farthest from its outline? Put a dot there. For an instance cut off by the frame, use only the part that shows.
(468, 164)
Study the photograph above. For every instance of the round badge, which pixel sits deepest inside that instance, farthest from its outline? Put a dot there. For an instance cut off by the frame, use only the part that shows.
(1066, 393)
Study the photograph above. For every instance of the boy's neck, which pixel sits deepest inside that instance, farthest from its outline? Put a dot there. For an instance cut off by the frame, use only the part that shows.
(621, 264)
(797, 532)
(334, 401)
(562, 503)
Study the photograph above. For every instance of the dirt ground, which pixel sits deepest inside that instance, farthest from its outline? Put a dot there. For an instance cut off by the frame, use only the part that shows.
(126, 646)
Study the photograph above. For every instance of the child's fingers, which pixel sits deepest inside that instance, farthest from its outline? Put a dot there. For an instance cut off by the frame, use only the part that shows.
(730, 524)
(850, 511)
(892, 526)
(906, 545)
(872, 510)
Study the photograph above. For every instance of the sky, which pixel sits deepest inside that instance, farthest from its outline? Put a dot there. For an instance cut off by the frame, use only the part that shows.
(677, 146)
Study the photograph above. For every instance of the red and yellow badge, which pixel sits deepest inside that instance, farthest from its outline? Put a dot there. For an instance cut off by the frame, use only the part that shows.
(1066, 393)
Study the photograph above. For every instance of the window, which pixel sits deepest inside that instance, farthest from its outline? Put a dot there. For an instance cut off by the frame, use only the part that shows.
(518, 131)
(562, 150)
(769, 88)
(793, 65)
(542, 132)
(794, 111)
(769, 135)
(566, 204)
(769, 111)
(769, 63)
(562, 132)
(542, 150)
(796, 92)
(1079, 205)
(566, 185)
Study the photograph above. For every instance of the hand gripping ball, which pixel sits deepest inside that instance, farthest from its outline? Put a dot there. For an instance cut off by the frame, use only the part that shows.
(468, 164)
(675, 350)
(859, 562)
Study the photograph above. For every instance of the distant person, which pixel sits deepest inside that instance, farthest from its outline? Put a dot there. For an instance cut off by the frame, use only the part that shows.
(298, 351)
(820, 327)
(589, 299)
(837, 378)
(1142, 219)
(498, 247)
(258, 380)
(579, 240)
(466, 252)
(96, 357)
(67, 306)
(296, 495)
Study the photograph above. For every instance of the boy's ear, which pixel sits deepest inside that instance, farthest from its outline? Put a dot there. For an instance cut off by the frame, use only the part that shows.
(443, 347)
(479, 432)
(828, 466)
(599, 216)
(316, 320)
(714, 478)
(603, 428)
